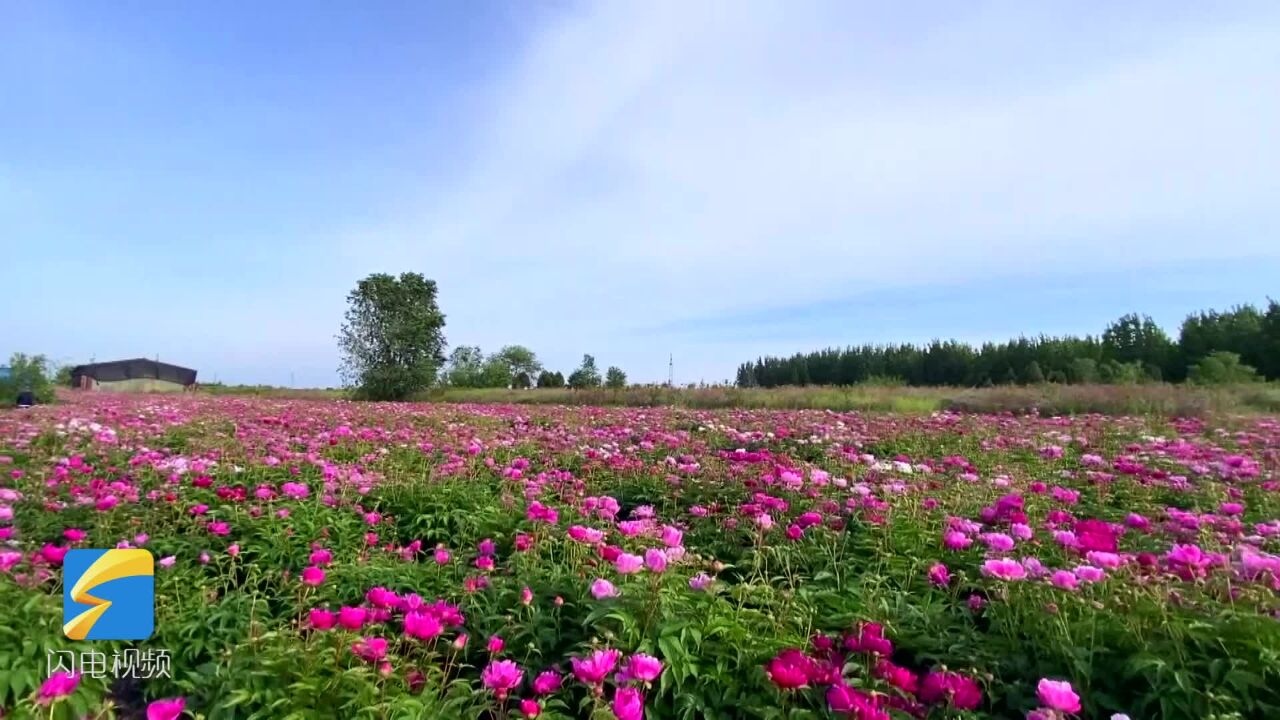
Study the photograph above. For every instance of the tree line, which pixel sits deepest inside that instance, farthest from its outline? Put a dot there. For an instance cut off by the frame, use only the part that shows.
(1238, 345)
(392, 345)
(516, 366)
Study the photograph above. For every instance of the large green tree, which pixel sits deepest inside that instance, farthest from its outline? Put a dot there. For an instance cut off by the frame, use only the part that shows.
(466, 365)
(392, 341)
(614, 378)
(586, 376)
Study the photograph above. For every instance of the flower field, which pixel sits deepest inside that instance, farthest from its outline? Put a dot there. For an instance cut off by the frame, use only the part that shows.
(326, 559)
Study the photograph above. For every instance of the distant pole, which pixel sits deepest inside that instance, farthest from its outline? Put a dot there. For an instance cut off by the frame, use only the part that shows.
(671, 371)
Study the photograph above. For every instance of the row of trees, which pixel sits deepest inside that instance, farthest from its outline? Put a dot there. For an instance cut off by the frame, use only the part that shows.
(516, 366)
(1212, 347)
(392, 344)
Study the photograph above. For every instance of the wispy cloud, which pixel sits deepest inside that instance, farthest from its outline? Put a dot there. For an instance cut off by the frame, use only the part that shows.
(650, 163)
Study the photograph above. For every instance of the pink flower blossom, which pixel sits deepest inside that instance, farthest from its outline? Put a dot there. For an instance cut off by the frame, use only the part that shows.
(644, 668)
(1004, 569)
(655, 560)
(1058, 695)
(502, 676)
(939, 575)
(628, 704)
(313, 576)
(628, 564)
(371, 649)
(322, 619)
(59, 684)
(547, 682)
(596, 667)
(166, 709)
(424, 626)
(601, 589)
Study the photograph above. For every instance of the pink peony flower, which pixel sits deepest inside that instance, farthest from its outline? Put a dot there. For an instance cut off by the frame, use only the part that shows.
(322, 619)
(371, 649)
(313, 576)
(1004, 569)
(655, 560)
(547, 682)
(601, 589)
(424, 626)
(628, 564)
(166, 709)
(700, 582)
(644, 668)
(502, 676)
(352, 618)
(628, 704)
(1058, 695)
(939, 575)
(1064, 579)
(530, 708)
(596, 667)
(59, 684)
(790, 669)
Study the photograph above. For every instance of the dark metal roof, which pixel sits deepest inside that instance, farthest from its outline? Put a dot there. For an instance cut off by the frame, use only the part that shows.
(136, 369)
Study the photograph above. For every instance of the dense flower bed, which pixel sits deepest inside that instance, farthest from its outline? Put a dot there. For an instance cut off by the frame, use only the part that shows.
(330, 559)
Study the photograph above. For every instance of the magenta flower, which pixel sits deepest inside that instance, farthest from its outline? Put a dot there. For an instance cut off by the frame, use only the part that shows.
(790, 669)
(547, 682)
(700, 582)
(644, 668)
(371, 649)
(1004, 569)
(313, 576)
(628, 704)
(601, 589)
(1058, 695)
(352, 618)
(1064, 579)
(59, 684)
(495, 645)
(423, 626)
(655, 560)
(502, 676)
(939, 575)
(322, 619)
(596, 667)
(166, 709)
(956, 540)
(628, 564)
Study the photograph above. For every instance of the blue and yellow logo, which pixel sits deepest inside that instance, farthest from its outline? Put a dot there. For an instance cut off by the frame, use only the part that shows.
(122, 603)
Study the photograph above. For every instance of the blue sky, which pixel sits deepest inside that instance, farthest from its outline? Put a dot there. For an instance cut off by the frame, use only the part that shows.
(714, 180)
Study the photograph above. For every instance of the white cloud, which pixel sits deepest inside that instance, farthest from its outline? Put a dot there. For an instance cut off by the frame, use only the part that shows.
(654, 162)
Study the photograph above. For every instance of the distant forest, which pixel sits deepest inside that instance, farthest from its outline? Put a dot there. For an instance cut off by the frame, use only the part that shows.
(1212, 347)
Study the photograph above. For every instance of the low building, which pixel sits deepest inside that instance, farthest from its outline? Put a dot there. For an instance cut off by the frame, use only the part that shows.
(137, 375)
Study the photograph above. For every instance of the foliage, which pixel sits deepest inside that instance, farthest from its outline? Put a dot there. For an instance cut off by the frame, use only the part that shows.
(1221, 368)
(392, 340)
(465, 368)
(614, 378)
(586, 376)
(27, 372)
(512, 366)
(1130, 350)
(548, 379)
(765, 575)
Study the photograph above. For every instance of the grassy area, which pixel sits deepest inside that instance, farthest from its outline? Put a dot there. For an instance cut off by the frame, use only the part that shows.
(1157, 399)
(1048, 399)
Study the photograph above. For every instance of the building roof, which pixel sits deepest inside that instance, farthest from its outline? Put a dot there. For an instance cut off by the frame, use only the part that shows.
(138, 368)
